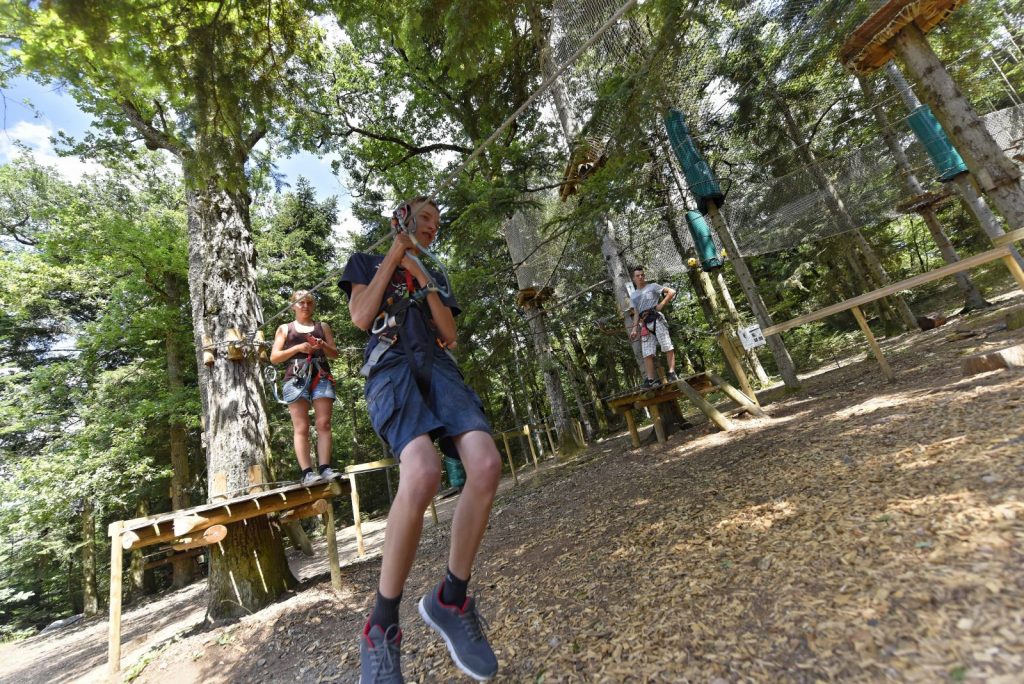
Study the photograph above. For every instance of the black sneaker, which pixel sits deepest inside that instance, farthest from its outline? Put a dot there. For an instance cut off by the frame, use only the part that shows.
(463, 631)
(649, 384)
(672, 377)
(380, 655)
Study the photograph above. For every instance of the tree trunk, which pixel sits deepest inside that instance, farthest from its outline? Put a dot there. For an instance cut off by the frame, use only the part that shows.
(552, 381)
(838, 209)
(778, 348)
(583, 363)
(997, 175)
(975, 204)
(750, 355)
(180, 476)
(90, 595)
(137, 567)
(617, 271)
(251, 571)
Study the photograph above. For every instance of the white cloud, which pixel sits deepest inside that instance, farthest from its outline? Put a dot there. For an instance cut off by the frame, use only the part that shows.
(36, 137)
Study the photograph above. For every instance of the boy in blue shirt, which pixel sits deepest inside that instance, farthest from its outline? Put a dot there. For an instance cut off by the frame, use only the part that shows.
(415, 394)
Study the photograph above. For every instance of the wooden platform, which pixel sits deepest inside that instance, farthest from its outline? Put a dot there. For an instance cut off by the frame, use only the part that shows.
(1002, 252)
(867, 49)
(694, 388)
(189, 529)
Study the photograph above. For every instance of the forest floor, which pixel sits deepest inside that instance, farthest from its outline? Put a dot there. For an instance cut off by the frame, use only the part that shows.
(864, 532)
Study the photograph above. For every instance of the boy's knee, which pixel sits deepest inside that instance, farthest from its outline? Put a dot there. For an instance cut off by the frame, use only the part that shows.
(421, 483)
(488, 470)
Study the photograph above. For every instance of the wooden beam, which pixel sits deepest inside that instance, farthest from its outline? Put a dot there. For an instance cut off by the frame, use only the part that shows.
(373, 465)
(332, 545)
(737, 396)
(631, 424)
(1012, 236)
(356, 517)
(710, 411)
(169, 526)
(659, 425)
(726, 343)
(1010, 357)
(529, 441)
(875, 349)
(868, 297)
(318, 507)
(211, 535)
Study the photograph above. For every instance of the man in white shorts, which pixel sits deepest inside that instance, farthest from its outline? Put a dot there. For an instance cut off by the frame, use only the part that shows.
(648, 299)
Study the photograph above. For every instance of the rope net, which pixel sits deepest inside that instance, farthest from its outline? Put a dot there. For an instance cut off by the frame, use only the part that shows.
(622, 86)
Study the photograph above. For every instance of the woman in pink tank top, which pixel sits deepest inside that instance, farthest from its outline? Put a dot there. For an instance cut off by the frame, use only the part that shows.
(306, 345)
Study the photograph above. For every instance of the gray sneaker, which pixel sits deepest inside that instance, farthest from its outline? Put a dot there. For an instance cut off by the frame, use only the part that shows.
(463, 632)
(310, 479)
(380, 655)
(329, 473)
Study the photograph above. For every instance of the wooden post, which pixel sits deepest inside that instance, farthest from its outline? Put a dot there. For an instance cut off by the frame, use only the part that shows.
(360, 549)
(659, 426)
(332, 545)
(725, 341)
(710, 411)
(433, 511)
(551, 442)
(114, 628)
(752, 407)
(1015, 270)
(582, 435)
(533, 452)
(511, 463)
(996, 173)
(778, 348)
(631, 424)
(508, 447)
(875, 349)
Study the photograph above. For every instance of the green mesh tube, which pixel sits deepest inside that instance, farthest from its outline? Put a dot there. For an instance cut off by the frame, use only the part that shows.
(929, 131)
(456, 473)
(698, 174)
(706, 249)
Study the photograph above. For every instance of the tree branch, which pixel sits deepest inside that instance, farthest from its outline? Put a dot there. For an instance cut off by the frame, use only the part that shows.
(153, 136)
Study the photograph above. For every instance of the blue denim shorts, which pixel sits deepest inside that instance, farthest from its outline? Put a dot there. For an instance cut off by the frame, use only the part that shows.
(290, 393)
(400, 414)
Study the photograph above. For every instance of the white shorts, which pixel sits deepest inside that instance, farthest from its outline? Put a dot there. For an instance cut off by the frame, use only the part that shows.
(660, 334)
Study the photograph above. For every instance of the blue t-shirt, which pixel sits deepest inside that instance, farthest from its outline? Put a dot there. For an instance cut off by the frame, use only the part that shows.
(417, 329)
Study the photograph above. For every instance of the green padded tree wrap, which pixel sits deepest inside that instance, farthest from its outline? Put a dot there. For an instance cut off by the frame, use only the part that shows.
(930, 133)
(710, 259)
(698, 174)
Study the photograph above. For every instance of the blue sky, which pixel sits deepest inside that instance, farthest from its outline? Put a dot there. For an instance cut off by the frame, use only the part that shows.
(54, 110)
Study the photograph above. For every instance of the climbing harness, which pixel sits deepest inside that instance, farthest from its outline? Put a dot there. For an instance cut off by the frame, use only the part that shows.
(388, 324)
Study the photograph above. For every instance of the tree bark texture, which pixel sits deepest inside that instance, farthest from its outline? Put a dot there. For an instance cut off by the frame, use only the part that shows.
(838, 209)
(973, 298)
(249, 570)
(552, 380)
(180, 476)
(775, 344)
(611, 252)
(90, 595)
(243, 578)
(997, 175)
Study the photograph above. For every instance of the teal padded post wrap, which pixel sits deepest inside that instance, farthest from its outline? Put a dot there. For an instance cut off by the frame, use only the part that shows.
(929, 131)
(710, 259)
(456, 473)
(698, 174)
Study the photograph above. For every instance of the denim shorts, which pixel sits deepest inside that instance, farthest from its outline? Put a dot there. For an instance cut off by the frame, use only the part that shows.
(290, 393)
(400, 414)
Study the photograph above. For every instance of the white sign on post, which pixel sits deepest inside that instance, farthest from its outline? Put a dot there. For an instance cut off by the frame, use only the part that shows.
(751, 337)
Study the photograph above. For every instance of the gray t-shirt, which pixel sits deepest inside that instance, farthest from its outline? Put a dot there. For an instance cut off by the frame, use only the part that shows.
(647, 297)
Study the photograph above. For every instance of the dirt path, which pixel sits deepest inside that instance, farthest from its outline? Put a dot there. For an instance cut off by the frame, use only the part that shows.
(866, 532)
